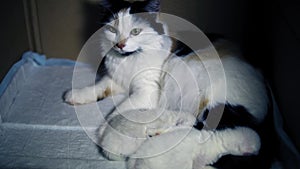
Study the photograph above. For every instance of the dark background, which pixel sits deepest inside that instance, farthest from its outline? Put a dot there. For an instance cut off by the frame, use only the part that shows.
(267, 31)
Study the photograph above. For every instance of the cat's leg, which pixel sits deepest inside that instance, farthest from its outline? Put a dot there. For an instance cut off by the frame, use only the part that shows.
(144, 99)
(240, 141)
(137, 102)
(133, 127)
(169, 121)
(194, 149)
(105, 87)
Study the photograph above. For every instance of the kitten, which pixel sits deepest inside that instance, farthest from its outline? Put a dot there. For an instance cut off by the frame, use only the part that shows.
(139, 62)
(136, 53)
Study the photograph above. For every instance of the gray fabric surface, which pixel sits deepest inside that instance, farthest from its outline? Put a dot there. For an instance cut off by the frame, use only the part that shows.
(39, 130)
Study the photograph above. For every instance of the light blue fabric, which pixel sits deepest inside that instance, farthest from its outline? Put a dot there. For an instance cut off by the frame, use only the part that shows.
(36, 59)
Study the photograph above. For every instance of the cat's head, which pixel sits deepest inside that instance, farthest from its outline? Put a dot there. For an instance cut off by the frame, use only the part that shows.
(136, 6)
(128, 32)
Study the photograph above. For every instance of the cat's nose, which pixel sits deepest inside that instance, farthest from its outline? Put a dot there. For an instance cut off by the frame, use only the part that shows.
(120, 45)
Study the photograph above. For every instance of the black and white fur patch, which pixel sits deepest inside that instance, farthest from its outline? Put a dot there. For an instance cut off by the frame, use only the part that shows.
(237, 115)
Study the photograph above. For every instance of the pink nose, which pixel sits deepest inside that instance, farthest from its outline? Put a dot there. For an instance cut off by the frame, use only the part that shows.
(120, 45)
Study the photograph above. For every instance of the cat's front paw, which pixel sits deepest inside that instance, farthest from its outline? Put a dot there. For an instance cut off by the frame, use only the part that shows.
(79, 96)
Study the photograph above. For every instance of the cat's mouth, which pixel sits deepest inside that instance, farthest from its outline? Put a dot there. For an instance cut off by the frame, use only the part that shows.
(126, 53)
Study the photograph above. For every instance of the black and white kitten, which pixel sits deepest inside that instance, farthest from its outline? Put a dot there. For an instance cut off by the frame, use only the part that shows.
(139, 62)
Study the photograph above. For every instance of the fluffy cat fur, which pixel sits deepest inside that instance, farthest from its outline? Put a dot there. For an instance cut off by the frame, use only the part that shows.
(170, 135)
(137, 69)
(121, 137)
(208, 147)
(139, 63)
(138, 74)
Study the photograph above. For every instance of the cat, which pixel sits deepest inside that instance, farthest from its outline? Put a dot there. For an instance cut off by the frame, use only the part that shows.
(139, 63)
(136, 53)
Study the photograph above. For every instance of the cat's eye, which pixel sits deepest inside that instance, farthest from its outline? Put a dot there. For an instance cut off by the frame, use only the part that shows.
(136, 31)
(112, 29)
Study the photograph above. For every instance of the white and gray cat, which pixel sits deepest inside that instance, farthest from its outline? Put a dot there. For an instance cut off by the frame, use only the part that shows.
(139, 62)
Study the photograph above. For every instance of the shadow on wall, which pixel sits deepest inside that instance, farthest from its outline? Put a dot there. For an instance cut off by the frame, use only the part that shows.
(93, 16)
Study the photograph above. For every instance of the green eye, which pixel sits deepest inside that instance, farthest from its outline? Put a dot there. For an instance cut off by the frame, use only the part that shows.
(136, 31)
(112, 29)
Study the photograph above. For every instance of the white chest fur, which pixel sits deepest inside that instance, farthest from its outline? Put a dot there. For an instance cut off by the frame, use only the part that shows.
(138, 70)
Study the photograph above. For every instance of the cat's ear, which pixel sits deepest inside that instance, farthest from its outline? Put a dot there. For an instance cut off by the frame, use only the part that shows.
(107, 3)
(152, 5)
(145, 6)
(136, 6)
(114, 5)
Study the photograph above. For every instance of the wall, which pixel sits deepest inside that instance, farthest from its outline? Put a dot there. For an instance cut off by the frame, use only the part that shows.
(13, 34)
(285, 43)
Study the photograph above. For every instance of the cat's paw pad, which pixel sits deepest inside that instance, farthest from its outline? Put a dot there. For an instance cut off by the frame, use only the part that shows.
(79, 96)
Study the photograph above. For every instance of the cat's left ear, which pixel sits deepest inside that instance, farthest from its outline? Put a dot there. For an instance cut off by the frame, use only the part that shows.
(145, 6)
(152, 5)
